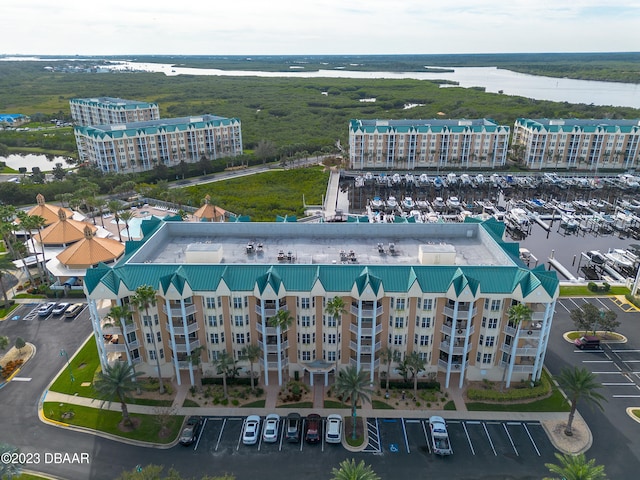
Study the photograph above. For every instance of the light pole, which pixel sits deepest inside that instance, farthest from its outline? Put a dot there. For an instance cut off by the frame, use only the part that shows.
(63, 353)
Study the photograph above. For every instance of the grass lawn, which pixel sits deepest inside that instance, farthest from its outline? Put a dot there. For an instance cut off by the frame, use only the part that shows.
(190, 403)
(6, 311)
(554, 403)
(583, 291)
(107, 421)
(381, 405)
(334, 404)
(297, 405)
(256, 404)
(83, 366)
(450, 405)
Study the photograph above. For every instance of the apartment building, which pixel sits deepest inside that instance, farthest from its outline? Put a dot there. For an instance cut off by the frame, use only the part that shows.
(139, 146)
(111, 111)
(577, 144)
(441, 290)
(411, 144)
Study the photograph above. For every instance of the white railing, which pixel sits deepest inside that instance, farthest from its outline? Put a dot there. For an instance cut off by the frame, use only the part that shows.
(115, 347)
(182, 346)
(463, 313)
(178, 328)
(273, 347)
(284, 363)
(364, 365)
(365, 332)
(270, 312)
(460, 331)
(365, 349)
(367, 312)
(269, 331)
(455, 367)
(445, 347)
(177, 312)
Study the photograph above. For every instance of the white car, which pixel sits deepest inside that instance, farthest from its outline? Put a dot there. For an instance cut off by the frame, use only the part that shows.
(270, 432)
(334, 429)
(60, 308)
(46, 309)
(251, 430)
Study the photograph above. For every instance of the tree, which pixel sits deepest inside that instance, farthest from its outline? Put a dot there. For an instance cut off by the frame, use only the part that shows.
(144, 298)
(265, 150)
(586, 317)
(576, 467)
(579, 383)
(336, 308)
(20, 344)
(204, 164)
(116, 381)
(415, 365)
(58, 172)
(350, 470)
(353, 384)
(6, 268)
(123, 316)
(154, 472)
(9, 470)
(388, 356)
(29, 223)
(609, 321)
(517, 314)
(226, 366)
(282, 320)
(114, 207)
(252, 353)
(4, 342)
(195, 357)
(126, 217)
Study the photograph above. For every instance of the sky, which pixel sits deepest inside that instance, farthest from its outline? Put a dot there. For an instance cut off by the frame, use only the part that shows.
(289, 27)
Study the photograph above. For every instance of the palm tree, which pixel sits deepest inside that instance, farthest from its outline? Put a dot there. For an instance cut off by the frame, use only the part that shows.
(117, 381)
(114, 206)
(126, 217)
(388, 356)
(123, 316)
(29, 223)
(252, 353)
(576, 467)
(144, 298)
(353, 384)
(281, 320)
(415, 364)
(6, 267)
(579, 383)
(225, 366)
(350, 470)
(517, 314)
(335, 307)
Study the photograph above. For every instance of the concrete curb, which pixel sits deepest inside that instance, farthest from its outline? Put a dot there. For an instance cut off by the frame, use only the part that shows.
(17, 370)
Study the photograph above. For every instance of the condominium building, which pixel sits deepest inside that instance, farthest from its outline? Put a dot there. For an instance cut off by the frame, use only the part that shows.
(140, 146)
(410, 144)
(441, 290)
(577, 144)
(111, 111)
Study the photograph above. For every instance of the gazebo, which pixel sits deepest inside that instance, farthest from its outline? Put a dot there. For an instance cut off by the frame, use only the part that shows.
(209, 213)
(48, 212)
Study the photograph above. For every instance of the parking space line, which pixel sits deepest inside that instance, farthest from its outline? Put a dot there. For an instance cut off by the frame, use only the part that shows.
(489, 437)
(304, 421)
(466, 432)
(374, 431)
(510, 439)
(531, 438)
(224, 422)
(625, 384)
(404, 432)
(563, 306)
(625, 396)
(624, 351)
(426, 438)
(200, 434)
(240, 436)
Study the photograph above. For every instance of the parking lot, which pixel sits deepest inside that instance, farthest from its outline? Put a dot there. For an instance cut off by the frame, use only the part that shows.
(29, 312)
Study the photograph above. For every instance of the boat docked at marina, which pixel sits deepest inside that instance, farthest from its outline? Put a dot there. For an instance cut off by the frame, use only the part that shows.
(619, 258)
(519, 217)
(453, 202)
(377, 203)
(408, 203)
(392, 202)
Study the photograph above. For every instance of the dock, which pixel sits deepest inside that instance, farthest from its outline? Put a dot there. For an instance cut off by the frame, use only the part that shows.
(563, 271)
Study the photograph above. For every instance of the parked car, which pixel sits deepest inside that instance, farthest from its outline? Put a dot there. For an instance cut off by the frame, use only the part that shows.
(292, 432)
(251, 430)
(587, 342)
(270, 432)
(312, 428)
(60, 308)
(191, 430)
(74, 310)
(334, 429)
(46, 309)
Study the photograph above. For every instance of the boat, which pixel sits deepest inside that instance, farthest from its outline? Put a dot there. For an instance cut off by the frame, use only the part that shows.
(409, 179)
(479, 179)
(596, 257)
(453, 202)
(465, 179)
(438, 203)
(519, 217)
(417, 215)
(408, 203)
(438, 182)
(569, 223)
(377, 203)
(452, 179)
(617, 258)
(565, 207)
(422, 204)
(392, 202)
(396, 178)
(424, 179)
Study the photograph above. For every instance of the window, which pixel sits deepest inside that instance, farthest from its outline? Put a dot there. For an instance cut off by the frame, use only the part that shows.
(149, 338)
(162, 353)
(306, 338)
(493, 305)
(331, 356)
(152, 354)
(237, 302)
(240, 338)
(239, 321)
(305, 320)
(398, 340)
(213, 338)
(491, 340)
(425, 356)
(305, 303)
(422, 340)
(246, 302)
(487, 358)
(211, 302)
(221, 320)
(159, 337)
(219, 302)
(212, 320)
(331, 338)
(424, 322)
(306, 356)
(427, 304)
(481, 340)
(399, 322)
(146, 319)
(400, 303)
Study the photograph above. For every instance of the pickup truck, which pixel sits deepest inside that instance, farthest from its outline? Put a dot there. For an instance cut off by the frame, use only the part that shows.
(439, 436)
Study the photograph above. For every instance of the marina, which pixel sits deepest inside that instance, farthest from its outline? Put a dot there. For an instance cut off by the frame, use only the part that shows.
(581, 226)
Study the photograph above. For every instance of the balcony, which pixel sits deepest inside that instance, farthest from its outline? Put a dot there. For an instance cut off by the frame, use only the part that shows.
(367, 312)
(454, 366)
(519, 367)
(444, 346)
(269, 331)
(181, 346)
(364, 331)
(460, 330)
(270, 311)
(523, 351)
(115, 347)
(273, 347)
(110, 330)
(178, 328)
(274, 365)
(463, 312)
(364, 364)
(177, 311)
(365, 349)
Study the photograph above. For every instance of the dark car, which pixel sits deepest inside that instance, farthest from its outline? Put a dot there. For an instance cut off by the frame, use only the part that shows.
(312, 428)
(191, 430)
(587, 342)
(292, 427)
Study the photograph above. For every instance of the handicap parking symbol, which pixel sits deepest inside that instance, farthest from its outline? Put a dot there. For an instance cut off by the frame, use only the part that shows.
(393, 448)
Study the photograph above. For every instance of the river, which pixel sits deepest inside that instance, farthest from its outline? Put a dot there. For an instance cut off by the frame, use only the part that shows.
(492, 79)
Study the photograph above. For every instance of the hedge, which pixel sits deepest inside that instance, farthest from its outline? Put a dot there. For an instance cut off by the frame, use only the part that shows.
(400, 385)
(540, 390)
(238, 381)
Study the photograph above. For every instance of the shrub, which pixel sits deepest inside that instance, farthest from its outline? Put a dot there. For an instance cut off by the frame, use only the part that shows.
(592, 287)
(235, 402)
(238, 381)
(401, 385)
(259, 391)
(540, 390)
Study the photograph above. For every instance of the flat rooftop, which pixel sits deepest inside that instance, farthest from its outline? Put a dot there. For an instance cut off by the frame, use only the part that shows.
(161, 122)
(322, 244)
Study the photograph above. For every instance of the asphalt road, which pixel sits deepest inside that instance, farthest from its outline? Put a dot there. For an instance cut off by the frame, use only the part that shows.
(483, 450)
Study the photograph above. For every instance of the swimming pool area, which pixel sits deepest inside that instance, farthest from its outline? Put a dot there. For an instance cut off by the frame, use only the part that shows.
(134, 225)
